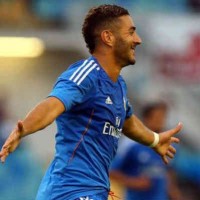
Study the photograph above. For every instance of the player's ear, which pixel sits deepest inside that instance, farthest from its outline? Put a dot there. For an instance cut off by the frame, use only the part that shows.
(107, 37)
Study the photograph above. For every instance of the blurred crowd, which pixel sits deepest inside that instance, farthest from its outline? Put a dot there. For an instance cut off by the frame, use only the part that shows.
(56, 14)
(21, 174)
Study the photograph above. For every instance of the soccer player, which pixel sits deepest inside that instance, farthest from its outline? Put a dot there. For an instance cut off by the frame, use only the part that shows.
(139, 169)
(91, 109)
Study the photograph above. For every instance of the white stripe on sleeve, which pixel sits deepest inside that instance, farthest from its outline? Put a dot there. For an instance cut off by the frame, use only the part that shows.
(82, 71)
(74, 74)
(84, 76)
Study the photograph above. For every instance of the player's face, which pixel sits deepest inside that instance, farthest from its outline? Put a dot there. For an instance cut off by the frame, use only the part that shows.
(126, 41)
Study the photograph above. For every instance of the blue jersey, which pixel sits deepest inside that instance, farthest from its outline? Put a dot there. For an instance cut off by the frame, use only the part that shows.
(141, 161)
(88, 131)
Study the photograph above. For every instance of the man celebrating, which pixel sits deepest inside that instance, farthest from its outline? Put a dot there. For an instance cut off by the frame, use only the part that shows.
(91, 109)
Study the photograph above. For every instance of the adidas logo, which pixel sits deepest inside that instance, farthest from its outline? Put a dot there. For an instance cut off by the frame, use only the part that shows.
(108, 100)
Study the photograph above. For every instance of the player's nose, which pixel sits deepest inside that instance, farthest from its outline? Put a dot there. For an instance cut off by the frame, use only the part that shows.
(137, 39)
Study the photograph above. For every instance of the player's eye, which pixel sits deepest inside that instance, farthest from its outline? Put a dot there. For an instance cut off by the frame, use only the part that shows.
(131, 32)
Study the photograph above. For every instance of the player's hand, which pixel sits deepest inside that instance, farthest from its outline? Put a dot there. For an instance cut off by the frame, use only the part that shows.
(12, 142)
(164, 147)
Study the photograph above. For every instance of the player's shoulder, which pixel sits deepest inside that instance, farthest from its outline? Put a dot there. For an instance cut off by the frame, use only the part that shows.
(81, 71)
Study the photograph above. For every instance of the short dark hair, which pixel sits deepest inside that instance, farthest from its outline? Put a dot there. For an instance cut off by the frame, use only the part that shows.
(149, 108)
(97, 17)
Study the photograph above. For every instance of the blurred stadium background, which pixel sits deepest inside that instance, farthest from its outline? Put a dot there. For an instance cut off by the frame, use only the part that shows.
(40, 38)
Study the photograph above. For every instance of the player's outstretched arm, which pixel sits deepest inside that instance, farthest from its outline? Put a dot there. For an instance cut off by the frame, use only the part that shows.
(40, 117)
(136, 130)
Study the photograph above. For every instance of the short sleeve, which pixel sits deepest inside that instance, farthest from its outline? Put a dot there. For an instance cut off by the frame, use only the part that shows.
(72, 88)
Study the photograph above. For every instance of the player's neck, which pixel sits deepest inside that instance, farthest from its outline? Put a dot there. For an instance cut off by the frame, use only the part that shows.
(109, 65)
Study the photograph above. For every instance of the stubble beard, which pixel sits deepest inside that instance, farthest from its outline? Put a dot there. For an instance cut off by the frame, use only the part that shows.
(122, 53)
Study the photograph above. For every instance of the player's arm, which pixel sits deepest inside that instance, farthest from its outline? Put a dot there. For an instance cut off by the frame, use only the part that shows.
(40, 117)
(136, 130)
